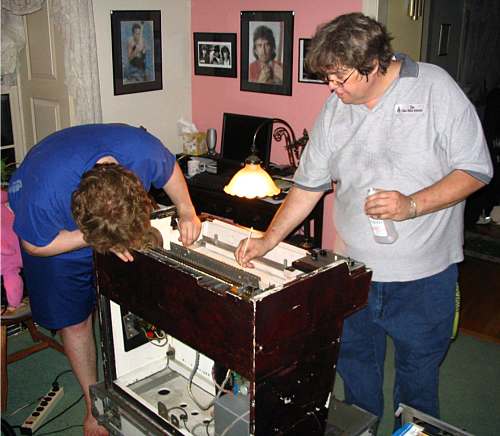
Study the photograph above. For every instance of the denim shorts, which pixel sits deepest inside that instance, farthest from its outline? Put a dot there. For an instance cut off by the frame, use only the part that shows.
(61, 290)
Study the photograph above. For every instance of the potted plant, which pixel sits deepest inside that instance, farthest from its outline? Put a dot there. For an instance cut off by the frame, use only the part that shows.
(6, 171)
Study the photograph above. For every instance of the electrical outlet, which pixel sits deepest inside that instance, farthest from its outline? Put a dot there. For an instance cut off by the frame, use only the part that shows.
(45, 406)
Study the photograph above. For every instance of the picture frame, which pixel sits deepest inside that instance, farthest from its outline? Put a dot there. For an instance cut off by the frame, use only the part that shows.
(136, 51)
(266, 51)
(215, 54)
(305, 75)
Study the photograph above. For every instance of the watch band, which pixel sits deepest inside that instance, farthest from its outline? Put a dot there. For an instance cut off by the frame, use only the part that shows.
(412, 213)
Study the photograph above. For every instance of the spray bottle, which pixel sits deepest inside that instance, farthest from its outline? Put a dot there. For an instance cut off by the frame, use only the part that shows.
(384, 231)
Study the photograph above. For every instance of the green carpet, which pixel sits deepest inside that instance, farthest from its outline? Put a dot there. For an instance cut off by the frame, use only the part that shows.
(470, 388)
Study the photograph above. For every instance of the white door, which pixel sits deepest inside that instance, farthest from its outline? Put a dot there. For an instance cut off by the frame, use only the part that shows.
(46, 105)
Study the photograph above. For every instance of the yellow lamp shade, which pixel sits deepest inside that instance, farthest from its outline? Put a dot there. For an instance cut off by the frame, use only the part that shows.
(252, 181)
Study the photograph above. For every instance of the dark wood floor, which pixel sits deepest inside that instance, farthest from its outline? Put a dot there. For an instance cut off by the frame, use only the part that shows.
(480, 282)
(480, 306)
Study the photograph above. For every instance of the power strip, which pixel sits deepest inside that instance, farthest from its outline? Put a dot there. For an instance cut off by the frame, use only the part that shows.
(41, 412)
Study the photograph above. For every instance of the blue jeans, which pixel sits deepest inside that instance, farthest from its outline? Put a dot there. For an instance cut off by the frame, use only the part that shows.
(418, 316)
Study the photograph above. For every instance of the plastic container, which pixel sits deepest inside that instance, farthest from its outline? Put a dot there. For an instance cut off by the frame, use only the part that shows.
(384, 231)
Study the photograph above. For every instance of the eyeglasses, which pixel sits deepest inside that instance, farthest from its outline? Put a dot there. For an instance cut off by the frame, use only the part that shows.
(339, 83)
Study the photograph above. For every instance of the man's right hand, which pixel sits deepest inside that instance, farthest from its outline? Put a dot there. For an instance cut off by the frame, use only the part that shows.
(266, 74)
(246, 251)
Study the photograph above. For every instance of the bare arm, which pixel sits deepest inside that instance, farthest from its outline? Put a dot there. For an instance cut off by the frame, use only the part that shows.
(189, 223)
(448, 191)
(65, 241)
(135, 49)
(297, 205)
(131, 49)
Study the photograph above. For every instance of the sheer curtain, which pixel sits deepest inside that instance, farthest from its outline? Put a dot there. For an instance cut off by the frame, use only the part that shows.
(13, 41)
(75, 21)
(22, 7)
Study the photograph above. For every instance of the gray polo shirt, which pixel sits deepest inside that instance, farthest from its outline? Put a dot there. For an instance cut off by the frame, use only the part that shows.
(422, 129)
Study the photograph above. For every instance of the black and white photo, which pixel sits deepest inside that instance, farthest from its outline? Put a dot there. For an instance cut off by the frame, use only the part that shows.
(215, 54)
(304, 74)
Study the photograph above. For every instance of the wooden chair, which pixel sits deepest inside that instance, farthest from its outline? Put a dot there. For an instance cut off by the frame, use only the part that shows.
(42, 341)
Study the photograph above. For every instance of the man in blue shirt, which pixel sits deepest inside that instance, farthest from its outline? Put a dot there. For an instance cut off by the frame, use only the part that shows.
(81, 188)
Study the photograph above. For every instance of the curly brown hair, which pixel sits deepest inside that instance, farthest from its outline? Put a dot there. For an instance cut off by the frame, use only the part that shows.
(112, 209)
(350, 41)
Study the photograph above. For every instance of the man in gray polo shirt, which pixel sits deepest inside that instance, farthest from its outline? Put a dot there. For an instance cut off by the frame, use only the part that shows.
(407, 130)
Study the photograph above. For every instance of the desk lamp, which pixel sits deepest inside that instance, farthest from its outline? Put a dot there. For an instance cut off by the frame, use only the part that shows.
(252, 181)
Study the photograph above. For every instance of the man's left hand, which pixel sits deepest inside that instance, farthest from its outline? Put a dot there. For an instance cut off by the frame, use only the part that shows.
(388, 205)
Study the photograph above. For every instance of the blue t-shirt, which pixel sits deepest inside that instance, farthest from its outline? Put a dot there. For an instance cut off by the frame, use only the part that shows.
(40, 190)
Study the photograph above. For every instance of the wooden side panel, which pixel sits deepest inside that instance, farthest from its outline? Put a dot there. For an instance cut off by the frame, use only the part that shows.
(218, 325)
(297, 344)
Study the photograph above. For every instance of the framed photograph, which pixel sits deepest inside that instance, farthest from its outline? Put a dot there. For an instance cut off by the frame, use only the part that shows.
(136, 41)
(304, 74)
(215, 54)
(266, 52)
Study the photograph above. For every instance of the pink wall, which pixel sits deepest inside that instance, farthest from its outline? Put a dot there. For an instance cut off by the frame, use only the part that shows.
(214, 95)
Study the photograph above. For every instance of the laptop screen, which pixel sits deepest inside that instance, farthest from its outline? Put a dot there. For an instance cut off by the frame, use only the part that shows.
(237, 136)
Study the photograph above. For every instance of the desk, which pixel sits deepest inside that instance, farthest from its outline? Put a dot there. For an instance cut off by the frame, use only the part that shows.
(255, 213)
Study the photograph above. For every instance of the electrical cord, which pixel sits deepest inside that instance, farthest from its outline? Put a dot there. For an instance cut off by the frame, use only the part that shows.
(183, 415)
(204, 424)
(320, 426)
(7, 429)
(191, 377)
(208, 424)
(173, 418)
(54, 383)
(163, 335)
(36, 400)
(221, 387)
(61, 430)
